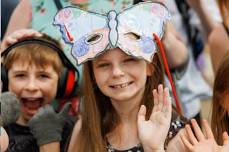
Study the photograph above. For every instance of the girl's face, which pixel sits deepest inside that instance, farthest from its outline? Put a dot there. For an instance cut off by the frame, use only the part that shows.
(33, 85)
(120, 76)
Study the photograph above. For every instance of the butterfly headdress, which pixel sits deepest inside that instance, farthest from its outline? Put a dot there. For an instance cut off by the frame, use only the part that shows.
(136, 31)
(131, 30)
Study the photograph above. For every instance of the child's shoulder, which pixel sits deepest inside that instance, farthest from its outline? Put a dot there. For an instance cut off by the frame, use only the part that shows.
(14, 129)
(20, 138)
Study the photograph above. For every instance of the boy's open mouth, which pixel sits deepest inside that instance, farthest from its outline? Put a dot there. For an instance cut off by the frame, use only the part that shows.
(32, 104)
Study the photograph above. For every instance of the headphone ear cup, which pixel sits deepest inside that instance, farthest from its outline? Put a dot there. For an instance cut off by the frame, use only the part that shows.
(67, 84)
(4, 78)
(62, 83)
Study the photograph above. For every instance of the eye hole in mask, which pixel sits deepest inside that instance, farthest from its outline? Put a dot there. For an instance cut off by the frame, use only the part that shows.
(94, 38)
(133, 36)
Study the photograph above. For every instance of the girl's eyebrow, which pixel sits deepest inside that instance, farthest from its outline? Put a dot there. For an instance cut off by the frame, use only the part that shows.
(100, 60)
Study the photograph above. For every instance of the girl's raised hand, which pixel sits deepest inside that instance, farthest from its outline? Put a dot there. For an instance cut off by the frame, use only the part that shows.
(199, 142)
(18, 35)
(153, 132)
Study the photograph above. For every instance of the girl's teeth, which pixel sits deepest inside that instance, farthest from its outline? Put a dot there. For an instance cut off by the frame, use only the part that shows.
(121, 86)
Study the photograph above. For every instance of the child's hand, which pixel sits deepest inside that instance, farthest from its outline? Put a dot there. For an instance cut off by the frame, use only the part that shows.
(4, 139)
(75, 135)
(47, 125)
(18, 35)
(225, 147)
(153, 132)
(176, 144)
(199, 142)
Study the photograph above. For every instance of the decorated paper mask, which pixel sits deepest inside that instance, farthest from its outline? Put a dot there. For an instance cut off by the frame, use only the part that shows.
(136, 31)
(131, 30)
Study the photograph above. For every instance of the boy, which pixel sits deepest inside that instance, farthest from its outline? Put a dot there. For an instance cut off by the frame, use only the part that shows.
(33, 71)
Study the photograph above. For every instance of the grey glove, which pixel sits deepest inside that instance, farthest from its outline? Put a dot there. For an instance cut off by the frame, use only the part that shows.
(47, 125)
(10, 108)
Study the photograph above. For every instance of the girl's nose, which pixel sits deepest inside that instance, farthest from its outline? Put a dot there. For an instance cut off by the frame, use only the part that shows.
(118, 71)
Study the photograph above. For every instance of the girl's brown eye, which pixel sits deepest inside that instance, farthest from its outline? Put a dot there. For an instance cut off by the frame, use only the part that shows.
(94, 38)
(103, 65)
(133, 35)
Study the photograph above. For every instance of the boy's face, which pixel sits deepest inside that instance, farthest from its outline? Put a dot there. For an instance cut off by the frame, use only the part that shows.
(34, 86)
(120, 76)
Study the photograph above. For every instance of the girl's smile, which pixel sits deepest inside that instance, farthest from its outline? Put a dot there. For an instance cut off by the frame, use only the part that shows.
(120, 76)
(121, 85)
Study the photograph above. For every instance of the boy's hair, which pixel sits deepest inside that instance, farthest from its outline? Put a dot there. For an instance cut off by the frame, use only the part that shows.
(99, 116)
(35, 53)
(220, 118)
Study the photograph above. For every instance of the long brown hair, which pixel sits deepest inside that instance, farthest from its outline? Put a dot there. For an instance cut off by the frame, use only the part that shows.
(99, 116)
(220, 119)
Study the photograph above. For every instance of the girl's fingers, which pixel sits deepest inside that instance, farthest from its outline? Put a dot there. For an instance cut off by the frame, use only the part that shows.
(190, 134)
(160, 97)
(167, 107)
(7, 42)
(199, 134)
(18, 35)
(142, 113)
(225, 138)
(32, 33)
(26, 33)
(155, 99)
(162, 100)
(207, 129)
(186, 142)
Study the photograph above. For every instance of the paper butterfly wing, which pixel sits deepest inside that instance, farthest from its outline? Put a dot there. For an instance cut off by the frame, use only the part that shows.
(136, 27)
(87, 32)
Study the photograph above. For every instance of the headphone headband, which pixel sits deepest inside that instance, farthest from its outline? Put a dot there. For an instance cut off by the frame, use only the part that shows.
(60, 52)
(68, 80)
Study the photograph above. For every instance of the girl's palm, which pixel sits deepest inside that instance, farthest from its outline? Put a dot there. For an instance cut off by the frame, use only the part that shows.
(153, 132)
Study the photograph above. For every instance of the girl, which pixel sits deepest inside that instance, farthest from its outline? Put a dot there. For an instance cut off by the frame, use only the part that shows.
(218, 42)
(118, 112)
(220, 117)
(113, 102)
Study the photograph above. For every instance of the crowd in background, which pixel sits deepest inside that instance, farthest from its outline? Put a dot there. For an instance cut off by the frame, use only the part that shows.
(196, 40)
